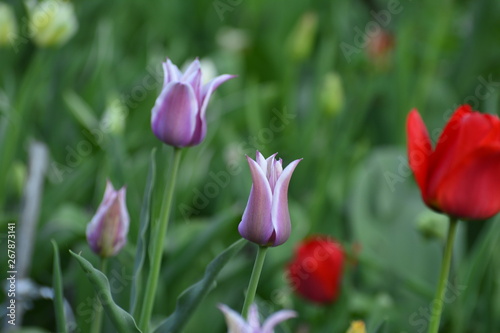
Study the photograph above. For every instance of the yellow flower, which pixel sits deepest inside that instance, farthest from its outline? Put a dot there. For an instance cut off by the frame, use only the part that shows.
(357, 326)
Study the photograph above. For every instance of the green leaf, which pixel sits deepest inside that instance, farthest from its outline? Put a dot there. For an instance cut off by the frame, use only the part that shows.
(191, 297)
(58, 292)
(121, 319)
(143, 237)
(81, 110)
(381, 327)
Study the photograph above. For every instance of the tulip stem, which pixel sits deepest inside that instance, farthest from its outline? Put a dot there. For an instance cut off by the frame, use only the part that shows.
(98, 310)
(254, 279)
(437, 304)
(158, 234)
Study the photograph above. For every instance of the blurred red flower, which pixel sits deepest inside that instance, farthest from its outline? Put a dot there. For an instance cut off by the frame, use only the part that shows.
(461, 176)
(316, 269)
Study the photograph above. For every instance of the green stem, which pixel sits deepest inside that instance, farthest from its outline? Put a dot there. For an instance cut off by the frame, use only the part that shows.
(158, 236)
(437, 304)
(254, 279)
(98, 309)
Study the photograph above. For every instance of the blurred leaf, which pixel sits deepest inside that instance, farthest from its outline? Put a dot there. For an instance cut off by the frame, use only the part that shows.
(143, 237)
(81, 110)
(120, 318)
(189, 299)
(58, 292)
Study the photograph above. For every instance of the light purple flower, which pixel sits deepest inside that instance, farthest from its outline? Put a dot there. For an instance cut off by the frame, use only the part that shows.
(236, 323)
(178, 117)
(107, 231)
(266, 220)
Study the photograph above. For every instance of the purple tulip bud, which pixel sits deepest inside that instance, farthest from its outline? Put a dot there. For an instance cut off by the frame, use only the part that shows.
(236, 323)
(178, 117)
(266, 220)
(107, 232)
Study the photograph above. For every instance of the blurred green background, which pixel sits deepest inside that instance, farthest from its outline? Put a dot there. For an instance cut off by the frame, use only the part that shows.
(339, 93)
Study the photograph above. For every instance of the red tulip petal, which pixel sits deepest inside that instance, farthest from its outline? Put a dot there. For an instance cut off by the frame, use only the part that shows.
(419, 148)
(316, 271)
(465, 132)
(472, 190)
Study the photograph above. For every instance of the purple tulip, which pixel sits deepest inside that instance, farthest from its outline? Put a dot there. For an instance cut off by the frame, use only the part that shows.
(266, 220)
(178, 117)
(107, 232)
(236, 323)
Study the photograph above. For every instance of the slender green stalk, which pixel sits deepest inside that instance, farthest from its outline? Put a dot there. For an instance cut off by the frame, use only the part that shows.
(58, 292)
(437, 304)
(254, 279)
(157, 236)
(98, 309)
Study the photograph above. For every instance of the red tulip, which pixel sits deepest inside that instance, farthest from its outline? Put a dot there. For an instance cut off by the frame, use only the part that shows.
(316, 270)
(461, 176)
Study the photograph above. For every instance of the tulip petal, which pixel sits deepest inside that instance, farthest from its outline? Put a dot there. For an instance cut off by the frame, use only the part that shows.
(280, 216)
(171, 71)
(275, 319)
(256, 225)
(173, 118)
(235, 323)
(253, 318)
(207, 90)
(464, 133)
(121, 234)
(471, 190)
(261, 161)
(419, 148)
(192, 68)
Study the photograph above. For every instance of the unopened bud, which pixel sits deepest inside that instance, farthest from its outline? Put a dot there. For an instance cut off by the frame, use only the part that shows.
(52, 22)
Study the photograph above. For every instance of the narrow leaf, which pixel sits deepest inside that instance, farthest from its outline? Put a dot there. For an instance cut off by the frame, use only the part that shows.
(142, 241)
(81, 110)
(191, 297)
(58, 292)
(121, 319)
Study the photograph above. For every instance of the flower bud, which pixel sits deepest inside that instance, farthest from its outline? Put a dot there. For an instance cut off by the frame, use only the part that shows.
(301, 40)
(332, 94)
(357, 326)
(178, 116)
(113, 120)
(316, 269)
(52, 22)
(432, 225)
(8, 25)
(107, 231)
(266, 220)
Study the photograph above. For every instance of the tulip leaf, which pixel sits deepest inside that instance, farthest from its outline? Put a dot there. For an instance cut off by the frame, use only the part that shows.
(143, 237)
(191, 297)
(81, 110)
(58, 292)
(121, 319)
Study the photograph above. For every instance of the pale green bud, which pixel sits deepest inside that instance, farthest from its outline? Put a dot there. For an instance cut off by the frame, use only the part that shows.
(432, 225)
(332, 94)
(8, 25)
(52, 22)
(113, 120)
(301, 40)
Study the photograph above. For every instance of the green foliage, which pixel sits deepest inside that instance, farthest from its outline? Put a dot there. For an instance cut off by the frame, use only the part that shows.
(353, 183)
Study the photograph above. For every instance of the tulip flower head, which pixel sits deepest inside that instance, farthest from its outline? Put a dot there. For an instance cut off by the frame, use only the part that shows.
(178, 116)
(107, 231)
(315, 272)
(52, 22)
(460, 176)
(266, 220)
(237, 324)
